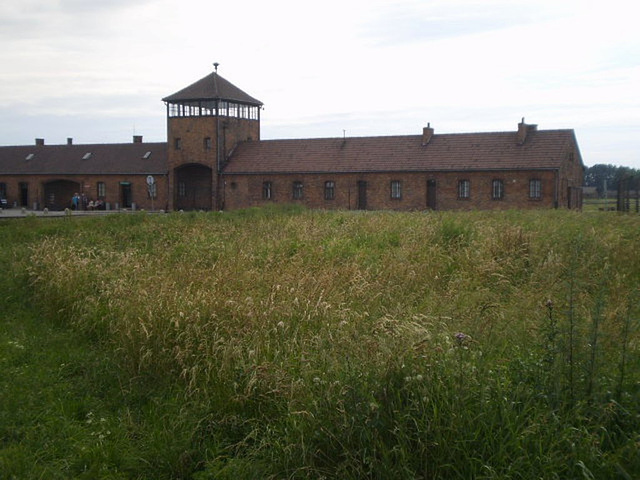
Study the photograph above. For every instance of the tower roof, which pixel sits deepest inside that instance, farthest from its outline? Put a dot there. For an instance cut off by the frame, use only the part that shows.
(212, 87)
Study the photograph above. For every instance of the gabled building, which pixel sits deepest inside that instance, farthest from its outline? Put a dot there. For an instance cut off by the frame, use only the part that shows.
(115, 175)
(527, 168)
(214, 159)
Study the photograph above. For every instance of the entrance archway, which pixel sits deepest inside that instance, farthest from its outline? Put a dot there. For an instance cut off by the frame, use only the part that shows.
(193, 189)
(58, 194)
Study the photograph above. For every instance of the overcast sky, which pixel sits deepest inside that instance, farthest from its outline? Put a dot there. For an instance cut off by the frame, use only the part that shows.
(96, 70)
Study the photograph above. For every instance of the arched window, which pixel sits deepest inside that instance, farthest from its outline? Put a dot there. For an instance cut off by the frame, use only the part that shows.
(396, 189)
(298, 192)
(535, 189)
(267, 191)
(497, 189)
(464, 189)
(329, 190)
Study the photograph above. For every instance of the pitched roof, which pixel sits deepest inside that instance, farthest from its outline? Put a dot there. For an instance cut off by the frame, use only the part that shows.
(543, 149)
(104, 159)
(212, 87)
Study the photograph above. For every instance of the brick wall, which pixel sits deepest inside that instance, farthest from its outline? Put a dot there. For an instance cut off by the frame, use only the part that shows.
(572, 178)
(241, 191)
(194, 140)
(39, 187)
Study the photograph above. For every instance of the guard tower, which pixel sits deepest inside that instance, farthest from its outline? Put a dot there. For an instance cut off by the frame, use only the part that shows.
(205, 122)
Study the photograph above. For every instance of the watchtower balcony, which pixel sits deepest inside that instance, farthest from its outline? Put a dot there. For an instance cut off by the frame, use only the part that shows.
(213, 108)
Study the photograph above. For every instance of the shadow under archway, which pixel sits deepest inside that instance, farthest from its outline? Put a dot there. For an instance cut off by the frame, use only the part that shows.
(193, 187)
(58, 194)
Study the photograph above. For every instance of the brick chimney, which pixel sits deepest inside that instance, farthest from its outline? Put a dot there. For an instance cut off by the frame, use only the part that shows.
(427, 133)
(137, 139)
(523, 130)
(39, 142)
(69, 141)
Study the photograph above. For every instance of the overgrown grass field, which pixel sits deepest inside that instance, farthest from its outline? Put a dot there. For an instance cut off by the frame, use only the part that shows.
(294, 344)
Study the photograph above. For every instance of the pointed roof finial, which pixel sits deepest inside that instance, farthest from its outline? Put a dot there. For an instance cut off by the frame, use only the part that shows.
(215, 65)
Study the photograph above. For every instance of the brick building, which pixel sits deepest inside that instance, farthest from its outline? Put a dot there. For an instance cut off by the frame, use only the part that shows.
(214, 159)
(114, 175)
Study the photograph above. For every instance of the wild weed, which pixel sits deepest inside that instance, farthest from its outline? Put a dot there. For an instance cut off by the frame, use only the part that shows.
(367, 345)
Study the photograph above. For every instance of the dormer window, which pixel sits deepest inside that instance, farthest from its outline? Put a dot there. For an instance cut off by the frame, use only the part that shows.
(87, 156)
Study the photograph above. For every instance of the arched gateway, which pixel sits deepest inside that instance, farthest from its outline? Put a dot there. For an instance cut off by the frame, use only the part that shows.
(58, 194)
(193, 189)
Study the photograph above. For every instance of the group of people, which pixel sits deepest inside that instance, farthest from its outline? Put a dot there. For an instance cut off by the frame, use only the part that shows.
(82, 202)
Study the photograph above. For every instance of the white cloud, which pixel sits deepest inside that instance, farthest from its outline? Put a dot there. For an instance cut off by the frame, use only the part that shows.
(370, 67)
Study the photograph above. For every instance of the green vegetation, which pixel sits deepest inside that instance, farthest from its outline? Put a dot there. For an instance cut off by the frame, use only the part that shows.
(607, 177)
(284, 343)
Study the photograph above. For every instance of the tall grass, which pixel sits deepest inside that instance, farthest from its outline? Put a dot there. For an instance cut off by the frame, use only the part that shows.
(370, 345)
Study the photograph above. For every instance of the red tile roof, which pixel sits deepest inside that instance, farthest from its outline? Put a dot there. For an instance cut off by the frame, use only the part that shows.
(543, 149)
(212, 87)
(105, 159)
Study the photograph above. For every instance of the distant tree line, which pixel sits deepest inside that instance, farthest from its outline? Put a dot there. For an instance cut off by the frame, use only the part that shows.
(610, 175)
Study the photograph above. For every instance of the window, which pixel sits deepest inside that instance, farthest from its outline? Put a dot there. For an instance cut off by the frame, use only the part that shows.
(207, 143)
(464, 189)
(497, 189)
(396, 189)
(102, 190)
(298, 191)
(267, 191)
(329, 190)
(182, 189)
(177, 143)
(535, 189)
(87, 156)
(146, 155)
(3, 190)
(153, 190)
